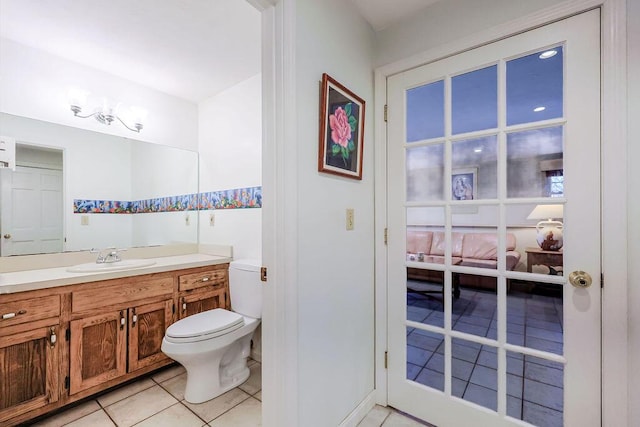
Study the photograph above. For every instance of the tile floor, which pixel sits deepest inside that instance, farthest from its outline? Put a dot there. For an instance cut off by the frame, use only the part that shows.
(381, 416)
(158, 401)
(534, 319)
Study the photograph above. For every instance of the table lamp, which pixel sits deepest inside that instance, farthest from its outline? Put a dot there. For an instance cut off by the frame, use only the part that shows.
(549, 236)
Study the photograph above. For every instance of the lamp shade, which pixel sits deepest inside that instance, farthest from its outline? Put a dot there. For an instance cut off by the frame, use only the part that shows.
(546, 212)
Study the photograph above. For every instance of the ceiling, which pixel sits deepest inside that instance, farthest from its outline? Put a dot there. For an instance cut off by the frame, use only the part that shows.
(383, 13)
(191, 49)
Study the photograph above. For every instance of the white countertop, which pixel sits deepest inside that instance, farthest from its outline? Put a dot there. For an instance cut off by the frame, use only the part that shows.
(21, 281)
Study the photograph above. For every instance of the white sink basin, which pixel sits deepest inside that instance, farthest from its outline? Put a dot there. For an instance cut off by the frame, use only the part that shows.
(125, 264)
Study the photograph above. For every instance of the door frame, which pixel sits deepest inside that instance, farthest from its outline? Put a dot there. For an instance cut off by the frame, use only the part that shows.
(614, 170)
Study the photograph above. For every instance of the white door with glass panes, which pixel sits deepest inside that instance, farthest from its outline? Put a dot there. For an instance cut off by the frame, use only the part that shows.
(494, 232)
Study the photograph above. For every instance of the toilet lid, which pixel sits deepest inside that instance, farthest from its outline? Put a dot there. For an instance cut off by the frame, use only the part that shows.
(209, 323)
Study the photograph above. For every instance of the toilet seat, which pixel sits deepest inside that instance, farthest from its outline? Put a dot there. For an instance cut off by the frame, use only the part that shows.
(203, 326)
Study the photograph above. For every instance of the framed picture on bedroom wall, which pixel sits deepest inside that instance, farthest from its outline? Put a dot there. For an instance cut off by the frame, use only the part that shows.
(341, 130)
(464, 184)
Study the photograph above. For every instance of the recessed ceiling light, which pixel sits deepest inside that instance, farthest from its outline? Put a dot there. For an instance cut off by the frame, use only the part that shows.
(548, 54)
(477, 150)
(538, 109)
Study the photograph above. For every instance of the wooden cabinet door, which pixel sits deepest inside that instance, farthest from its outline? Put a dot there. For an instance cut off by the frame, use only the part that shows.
(147, 325)
(199, 301)
(28, 371)
(98, 349)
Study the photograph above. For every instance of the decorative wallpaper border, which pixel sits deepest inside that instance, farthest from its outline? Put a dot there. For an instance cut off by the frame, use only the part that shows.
(237, 198)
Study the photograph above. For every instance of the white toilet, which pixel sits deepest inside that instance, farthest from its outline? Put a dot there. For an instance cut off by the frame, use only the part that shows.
(213, 346)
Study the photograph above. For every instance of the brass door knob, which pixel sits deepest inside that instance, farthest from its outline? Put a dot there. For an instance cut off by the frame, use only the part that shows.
(580, 279)
(7, 236)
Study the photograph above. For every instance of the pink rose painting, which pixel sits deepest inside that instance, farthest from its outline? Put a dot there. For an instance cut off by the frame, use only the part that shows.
(343, 126)
(341, 130)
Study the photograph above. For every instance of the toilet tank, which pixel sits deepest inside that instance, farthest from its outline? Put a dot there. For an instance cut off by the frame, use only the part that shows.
(245, 287)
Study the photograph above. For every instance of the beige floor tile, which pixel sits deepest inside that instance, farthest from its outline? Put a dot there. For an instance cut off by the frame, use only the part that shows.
(258, 395)
(246, 414)
(70, 415)
(398, 420)
(176, 386)
(375, 417)
(221, 404)
(176, 415)
(96, 419)
(167, 373)
(140, 406)
(254, 383)
(126, 391)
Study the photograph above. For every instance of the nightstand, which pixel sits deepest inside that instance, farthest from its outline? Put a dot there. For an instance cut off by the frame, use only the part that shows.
(536, 256)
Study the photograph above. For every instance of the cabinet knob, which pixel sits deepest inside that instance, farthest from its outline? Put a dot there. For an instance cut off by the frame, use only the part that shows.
(7, 236)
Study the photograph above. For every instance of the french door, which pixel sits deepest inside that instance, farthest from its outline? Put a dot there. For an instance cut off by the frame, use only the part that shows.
(494, 232)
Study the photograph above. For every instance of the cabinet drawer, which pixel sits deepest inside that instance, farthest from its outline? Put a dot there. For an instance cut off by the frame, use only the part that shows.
(214, 278)
(120, 292)
(29, 310)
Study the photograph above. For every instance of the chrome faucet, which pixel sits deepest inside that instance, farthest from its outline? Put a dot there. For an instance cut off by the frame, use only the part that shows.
(113, 255)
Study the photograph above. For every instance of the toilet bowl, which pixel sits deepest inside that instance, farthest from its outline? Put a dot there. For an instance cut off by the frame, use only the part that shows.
(214, 345)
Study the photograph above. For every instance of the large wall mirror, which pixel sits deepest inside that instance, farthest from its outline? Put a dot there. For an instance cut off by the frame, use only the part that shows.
(75, 189)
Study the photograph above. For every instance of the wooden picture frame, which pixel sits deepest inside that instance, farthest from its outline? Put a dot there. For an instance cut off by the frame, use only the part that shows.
(341, 139)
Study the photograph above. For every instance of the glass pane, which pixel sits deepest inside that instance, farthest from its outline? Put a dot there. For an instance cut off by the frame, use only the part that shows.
(425, 286)
(424, 364)
(535, 390)
(475, 169)
(425, 173)
(534, 315)
(534, 87)
(425, 112)
(483, 382)
(534, 163)
(534, 238)
(474, 98)
(475, 308)
(474, 236)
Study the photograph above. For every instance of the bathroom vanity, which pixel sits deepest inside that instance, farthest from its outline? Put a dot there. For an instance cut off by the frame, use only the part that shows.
(65, 336)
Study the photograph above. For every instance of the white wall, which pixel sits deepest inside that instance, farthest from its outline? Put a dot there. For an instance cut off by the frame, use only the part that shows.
(446, 21)
(633, 215)
(230, 146)
(335, 267)
(35, 84)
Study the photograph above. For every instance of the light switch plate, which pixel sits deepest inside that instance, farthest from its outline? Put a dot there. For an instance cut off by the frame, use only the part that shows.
(350, 219)
(84, 219)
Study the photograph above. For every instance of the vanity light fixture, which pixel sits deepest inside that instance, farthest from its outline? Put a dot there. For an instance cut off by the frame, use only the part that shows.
(107, 113)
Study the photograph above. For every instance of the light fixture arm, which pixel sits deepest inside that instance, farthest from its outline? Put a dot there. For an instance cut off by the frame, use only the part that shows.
(138, 126)
(77, 110)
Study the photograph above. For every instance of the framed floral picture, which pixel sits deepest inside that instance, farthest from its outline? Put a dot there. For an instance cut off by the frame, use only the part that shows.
(341, 130)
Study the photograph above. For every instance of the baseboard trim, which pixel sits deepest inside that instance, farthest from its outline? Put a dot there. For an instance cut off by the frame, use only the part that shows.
(360, 412)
